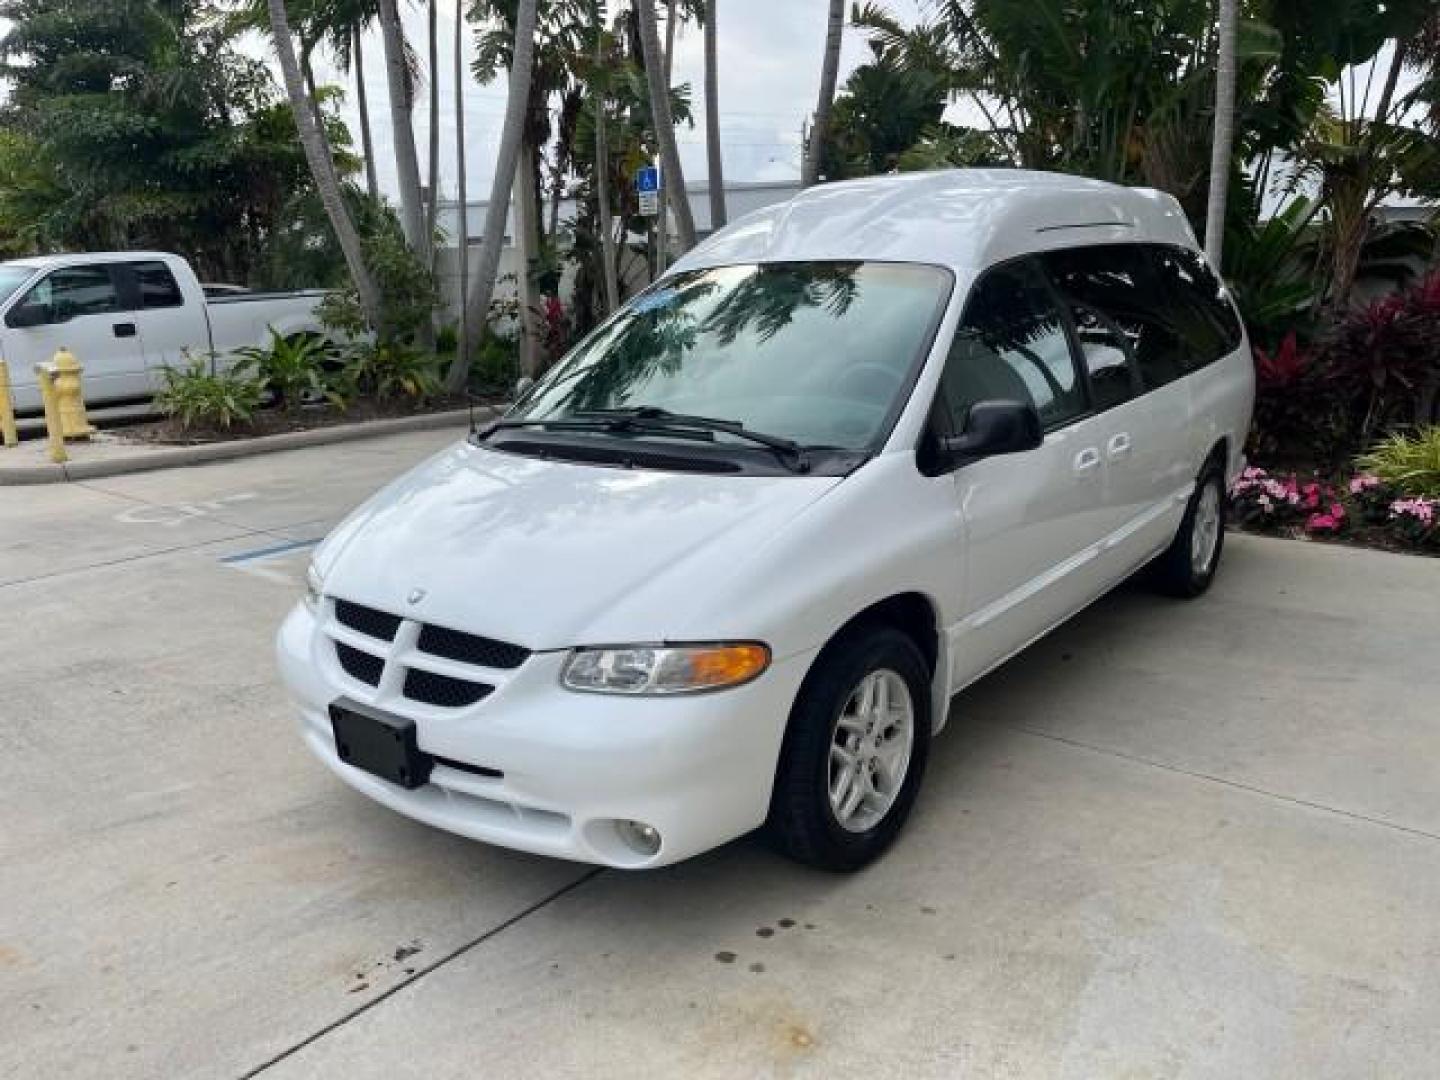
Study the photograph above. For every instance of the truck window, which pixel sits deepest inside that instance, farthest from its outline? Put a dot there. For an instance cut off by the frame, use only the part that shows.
(73, 291)
(156, 285)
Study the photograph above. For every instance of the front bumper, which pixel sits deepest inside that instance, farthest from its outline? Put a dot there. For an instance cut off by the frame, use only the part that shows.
(696, 768)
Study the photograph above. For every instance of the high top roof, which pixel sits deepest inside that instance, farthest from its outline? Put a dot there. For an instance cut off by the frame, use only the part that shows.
(962, 218)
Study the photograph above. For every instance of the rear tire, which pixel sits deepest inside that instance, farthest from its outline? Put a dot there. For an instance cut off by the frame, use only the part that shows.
(855, 751)
(1188, 565)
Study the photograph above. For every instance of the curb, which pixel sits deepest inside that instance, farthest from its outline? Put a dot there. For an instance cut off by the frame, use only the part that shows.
(180, 456)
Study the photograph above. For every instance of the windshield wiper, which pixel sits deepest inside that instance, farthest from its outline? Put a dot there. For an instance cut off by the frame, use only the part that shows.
(654, 418)
(651, 418)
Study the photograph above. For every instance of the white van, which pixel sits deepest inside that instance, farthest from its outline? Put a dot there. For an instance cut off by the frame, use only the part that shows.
(728, 562)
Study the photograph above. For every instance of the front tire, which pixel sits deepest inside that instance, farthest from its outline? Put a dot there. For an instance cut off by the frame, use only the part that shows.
(855, 751)
(1188, 565)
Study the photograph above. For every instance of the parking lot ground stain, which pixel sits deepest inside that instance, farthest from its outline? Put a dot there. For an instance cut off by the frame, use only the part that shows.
(786, 924)
(404, 952)
(725, 957)
(927, 911)
(757, 968)
(811, 926)
(765, 931)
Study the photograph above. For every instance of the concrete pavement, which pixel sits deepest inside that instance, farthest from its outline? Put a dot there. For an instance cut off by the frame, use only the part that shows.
(1170, 840)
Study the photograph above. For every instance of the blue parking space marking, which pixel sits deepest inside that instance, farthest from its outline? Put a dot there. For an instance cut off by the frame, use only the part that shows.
(267, 552)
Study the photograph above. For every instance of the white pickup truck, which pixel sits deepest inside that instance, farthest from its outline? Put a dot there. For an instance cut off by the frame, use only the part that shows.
(126, 316)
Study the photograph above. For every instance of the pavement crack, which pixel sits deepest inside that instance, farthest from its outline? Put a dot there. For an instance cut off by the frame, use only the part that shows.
(420, 973)
(1294, 800)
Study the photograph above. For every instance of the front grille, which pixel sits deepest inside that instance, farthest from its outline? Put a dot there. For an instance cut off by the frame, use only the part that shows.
(366, 620)
(432, 689)
(470, 648)
(359, 665)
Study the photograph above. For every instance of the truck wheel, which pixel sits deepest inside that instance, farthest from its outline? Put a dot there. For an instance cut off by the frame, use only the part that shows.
(854, 753)
(1188, 565)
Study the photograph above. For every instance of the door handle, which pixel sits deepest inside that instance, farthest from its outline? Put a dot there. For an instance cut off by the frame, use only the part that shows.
(1086, 460)
(1118, 444)
(124, 329)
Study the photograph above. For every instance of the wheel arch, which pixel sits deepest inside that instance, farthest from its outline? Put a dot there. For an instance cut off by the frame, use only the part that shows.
(917, 616)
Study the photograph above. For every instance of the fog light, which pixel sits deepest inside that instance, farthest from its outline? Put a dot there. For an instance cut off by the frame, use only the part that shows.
(638, 837)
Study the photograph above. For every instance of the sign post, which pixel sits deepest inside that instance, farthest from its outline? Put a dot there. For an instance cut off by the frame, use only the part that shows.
(652, 204)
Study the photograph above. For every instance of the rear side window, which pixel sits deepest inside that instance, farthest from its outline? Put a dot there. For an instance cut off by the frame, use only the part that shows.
(1117, 296)
(155, 286)
(1197, 304)
(1011, 345)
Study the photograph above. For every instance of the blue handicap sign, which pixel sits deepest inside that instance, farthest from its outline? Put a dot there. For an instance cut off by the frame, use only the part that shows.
(647, 179)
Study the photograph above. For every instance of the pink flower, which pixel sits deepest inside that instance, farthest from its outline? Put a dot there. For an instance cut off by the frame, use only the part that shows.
(1421, 509)
(1322, 523)
(1364, 482)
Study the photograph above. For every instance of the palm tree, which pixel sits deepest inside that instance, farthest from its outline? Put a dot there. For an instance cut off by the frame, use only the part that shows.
(673, 174)
(322, 166)
(712, 122)
(362, 103)
(829, 73)
(433, 173)
(402, 106)
(462, 239)
(477, 304)
(603, 216)
(1224, 133)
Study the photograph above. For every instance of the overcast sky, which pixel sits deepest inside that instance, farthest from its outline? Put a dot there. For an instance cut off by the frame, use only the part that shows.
(769, 53)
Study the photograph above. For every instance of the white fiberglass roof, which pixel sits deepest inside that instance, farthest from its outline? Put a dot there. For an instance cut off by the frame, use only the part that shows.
(962, 218)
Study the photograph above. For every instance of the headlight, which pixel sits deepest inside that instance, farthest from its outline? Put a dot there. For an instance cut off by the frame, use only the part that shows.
(664, 669)
(314, 587)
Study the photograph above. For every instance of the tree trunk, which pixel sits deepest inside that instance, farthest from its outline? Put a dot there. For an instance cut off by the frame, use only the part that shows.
(718, 216)
(1224, 134)
(432, 201)
(402, 108)
(477, 304)
(462, 239)
(362, 102)
(322, 167)
(527, 229)
(670, 22)
(829, 73)
(603, 216)
(672, 175)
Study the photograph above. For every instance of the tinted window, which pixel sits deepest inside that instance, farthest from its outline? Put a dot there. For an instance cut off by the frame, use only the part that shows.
(1107, 359)
(1118, 285)
(1197, 304)
(1012, 346)
(74, 291)
(819, 352)
(156, 285)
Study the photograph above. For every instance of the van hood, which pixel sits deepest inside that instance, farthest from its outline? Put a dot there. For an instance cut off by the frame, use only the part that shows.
(550, 555)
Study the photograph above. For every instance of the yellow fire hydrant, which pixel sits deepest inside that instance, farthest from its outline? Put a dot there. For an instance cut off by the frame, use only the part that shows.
(65, 372)
(7, 408)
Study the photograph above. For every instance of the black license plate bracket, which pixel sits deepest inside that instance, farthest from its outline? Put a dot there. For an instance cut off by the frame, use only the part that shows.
(380, 744)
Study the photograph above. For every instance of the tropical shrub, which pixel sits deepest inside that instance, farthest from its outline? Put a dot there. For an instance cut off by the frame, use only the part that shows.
(198, 397)
(1383, 360)
(293, 367)
(1408, 463)
(391, 370)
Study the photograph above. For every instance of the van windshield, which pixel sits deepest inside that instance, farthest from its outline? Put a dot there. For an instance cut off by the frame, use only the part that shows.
(820, 353)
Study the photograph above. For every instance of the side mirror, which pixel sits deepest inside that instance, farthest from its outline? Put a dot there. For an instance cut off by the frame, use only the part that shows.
(994, 427)
(27, 315)
(522, 386)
